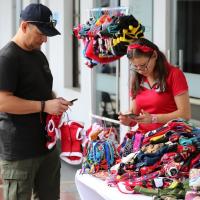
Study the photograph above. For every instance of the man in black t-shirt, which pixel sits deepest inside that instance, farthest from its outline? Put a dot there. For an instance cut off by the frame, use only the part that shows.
(26, 98)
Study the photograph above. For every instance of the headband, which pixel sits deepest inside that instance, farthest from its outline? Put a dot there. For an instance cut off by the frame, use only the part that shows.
(143, 48)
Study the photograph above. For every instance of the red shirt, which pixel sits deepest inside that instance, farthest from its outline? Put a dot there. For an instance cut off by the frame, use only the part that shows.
(156, 102)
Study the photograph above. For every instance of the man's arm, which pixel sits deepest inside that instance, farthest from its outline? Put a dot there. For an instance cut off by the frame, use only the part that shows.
(15, 105)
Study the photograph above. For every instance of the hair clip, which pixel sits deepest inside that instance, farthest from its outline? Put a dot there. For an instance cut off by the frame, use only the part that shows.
(143, 48)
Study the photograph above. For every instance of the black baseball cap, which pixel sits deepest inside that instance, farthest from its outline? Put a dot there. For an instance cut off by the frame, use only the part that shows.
(42, 17)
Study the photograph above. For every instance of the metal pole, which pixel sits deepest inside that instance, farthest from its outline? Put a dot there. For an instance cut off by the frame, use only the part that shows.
(105, 119)
(180, 59)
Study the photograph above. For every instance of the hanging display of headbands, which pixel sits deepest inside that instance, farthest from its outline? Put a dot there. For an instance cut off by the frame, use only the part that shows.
(107, 33)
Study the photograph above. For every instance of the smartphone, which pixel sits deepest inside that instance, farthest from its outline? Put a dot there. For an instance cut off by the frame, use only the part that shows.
(131, 115)
(72, 101)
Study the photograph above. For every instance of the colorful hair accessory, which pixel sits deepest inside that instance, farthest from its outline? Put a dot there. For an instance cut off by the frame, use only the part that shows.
(137, 141)
(194, 178)
(143, 48)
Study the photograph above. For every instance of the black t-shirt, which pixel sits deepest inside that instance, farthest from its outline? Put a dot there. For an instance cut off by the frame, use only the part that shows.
(27, 75)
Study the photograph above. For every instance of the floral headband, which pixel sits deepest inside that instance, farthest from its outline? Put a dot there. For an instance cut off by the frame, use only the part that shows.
(143, 48)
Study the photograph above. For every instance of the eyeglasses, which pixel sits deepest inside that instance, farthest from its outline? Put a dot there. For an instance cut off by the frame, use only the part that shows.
(137, 67)
(51, 23)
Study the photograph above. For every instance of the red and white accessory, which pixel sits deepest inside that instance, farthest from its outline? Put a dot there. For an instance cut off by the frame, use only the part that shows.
(70, 133)
(125, 188)
(53, 132)
(71, 142)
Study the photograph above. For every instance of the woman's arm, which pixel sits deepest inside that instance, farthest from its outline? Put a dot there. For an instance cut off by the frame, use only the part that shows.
(183, 109)
(132, 106)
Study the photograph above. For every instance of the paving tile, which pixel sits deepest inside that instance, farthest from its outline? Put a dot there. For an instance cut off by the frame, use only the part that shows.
(1, 193)
(68, 191)
(69, 196)
(68, 187)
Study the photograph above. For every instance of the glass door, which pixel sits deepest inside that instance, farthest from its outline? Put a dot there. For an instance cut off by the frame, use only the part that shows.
(105, 84)
(185, 41)
(106, 90)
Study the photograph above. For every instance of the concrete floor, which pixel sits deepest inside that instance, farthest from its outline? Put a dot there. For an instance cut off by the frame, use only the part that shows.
(68, 187)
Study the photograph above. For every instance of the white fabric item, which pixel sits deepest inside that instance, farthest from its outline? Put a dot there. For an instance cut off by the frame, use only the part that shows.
(158, 182)
(124, 160)
(92, 188)
(66, 157)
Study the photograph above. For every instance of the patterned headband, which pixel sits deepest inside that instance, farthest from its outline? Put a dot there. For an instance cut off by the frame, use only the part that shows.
(143, 48)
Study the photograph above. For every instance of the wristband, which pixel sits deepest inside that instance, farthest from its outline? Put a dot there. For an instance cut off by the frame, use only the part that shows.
(42, 109)
(154, 118)
(42, 106)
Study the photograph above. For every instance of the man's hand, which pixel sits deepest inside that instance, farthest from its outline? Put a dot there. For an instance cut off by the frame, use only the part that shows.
(56, 106)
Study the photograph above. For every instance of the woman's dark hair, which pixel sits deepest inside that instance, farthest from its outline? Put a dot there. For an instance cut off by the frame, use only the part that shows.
(144, 47)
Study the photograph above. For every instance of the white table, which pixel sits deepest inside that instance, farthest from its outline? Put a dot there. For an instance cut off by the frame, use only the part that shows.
(92, 188)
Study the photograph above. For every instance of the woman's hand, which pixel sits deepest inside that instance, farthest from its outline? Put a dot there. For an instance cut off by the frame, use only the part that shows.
(125, 119)
(144, 118)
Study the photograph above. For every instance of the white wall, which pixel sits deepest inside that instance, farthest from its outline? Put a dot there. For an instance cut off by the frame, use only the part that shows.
(161, 21)
(6, 21)
(85, 108)
(59, 53)
(60, 47)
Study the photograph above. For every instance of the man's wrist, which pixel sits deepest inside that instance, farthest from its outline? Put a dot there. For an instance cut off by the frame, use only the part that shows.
(42, 106)
(42, 110)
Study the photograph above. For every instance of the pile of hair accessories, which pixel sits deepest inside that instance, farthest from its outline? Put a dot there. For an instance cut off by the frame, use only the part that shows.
(100, 152)
(106, 38)
(156, 163)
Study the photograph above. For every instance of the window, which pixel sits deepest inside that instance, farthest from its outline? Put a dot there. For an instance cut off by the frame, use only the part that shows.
(76, 65)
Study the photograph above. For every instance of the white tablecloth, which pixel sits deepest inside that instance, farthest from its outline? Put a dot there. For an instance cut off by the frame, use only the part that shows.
(92, 188)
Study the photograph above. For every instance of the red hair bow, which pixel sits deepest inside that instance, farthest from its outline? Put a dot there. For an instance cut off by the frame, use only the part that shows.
(143, 48)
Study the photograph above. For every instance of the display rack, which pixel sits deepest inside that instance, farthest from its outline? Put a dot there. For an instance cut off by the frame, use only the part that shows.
(97, 13)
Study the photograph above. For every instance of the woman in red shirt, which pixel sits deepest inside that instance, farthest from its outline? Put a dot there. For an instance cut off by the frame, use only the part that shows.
(159, 91)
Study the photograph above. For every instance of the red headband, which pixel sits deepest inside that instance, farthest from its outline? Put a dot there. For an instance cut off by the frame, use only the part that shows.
(143, 48)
